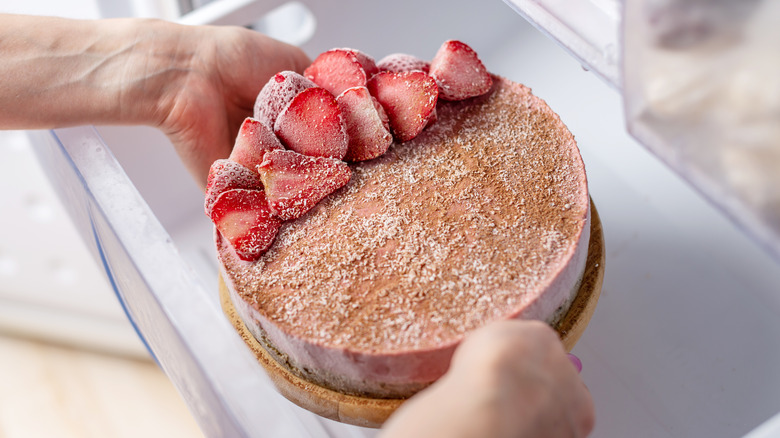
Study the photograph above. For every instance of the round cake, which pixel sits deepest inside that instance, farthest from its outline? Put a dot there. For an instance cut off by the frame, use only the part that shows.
(483, 216)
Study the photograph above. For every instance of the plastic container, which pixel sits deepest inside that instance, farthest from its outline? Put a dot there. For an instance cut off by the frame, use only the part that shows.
(700, 82)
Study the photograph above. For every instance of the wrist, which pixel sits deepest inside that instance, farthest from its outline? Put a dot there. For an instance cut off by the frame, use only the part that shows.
(153, 68)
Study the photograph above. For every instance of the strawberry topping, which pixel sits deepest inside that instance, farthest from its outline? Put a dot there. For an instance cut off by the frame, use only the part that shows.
(458, 72)
(294, 183)
(409, 98)
(367, 124)
(398, 62)
(243, 218)
(277, 94)
(253, 141)
(312, 124)
(339, 69)
(225, 175)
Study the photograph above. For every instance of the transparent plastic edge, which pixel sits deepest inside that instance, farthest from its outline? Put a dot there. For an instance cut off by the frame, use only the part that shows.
(591, 35)
(195, 345)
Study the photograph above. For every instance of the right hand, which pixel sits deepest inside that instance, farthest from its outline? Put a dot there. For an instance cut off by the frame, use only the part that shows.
(508, 379)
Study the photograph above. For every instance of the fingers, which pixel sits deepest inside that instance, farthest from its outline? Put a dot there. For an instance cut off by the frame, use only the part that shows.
(262, 57)
(227, 68)
(510, 379)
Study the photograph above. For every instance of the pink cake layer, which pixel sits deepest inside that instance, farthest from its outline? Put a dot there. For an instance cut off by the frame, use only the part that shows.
(484, 216)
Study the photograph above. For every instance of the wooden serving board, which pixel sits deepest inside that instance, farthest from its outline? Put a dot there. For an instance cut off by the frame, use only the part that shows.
(372, 412)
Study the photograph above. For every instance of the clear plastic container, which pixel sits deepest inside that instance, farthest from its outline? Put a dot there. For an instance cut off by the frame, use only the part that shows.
(702, 91)
(700, 82)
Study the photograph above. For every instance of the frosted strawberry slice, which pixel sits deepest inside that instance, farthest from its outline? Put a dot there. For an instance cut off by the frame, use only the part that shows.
(398, 62)
(243, 218)
(339, 69)
(458, 72)
(294, 183)
(409, 98)
(312, 124)
(225, 175)
(277, 93)
(253, 141)
(367, 124)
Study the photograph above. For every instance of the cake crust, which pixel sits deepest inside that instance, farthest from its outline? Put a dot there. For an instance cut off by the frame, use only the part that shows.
(484, 216)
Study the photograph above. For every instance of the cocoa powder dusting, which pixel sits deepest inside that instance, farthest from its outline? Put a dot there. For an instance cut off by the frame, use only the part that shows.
(463, 225)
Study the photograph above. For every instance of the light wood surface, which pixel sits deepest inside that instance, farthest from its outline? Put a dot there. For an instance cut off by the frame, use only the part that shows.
(54, 391)
(371, 412)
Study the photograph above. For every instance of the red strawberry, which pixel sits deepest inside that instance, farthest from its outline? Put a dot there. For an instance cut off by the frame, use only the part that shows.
(244, 219)
(367, 124)
(458, 72)
(409, 98)
(294, 183)
(253, 141)
(366, 61)
(312, 124)
(398, 62)
(277, 93)
(339, 69)
(225, 175)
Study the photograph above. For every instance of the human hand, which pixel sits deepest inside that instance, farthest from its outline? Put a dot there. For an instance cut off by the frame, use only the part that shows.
(227, 68)
(509, 379)
(195, 83)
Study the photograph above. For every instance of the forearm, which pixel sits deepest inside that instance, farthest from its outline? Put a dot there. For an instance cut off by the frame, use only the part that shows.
(59, 72)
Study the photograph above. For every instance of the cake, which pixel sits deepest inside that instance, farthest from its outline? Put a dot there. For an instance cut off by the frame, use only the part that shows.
(483, 215)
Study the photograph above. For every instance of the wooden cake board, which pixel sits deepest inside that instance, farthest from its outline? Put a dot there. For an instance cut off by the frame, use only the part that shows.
(372, 412)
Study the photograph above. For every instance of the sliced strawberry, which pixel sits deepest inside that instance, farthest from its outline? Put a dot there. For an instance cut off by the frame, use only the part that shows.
(398, 62)
(225, 175)
(458, 72)
(434, 117)
(367, 124)
(253, 141)
(294, 182)
(312, 124)
(367, 62)
(277, 93)
(244, 219)
(339, 69)
(409, 98)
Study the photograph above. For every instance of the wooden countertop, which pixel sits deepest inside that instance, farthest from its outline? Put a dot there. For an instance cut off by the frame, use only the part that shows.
(48, 391)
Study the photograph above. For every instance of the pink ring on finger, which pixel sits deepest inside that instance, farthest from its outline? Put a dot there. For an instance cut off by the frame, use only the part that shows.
(575, 361)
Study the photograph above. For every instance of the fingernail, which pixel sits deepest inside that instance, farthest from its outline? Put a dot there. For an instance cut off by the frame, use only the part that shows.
(575, 361)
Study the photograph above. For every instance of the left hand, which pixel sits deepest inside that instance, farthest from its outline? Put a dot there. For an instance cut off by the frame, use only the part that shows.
(228, 68)
(195, 83)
